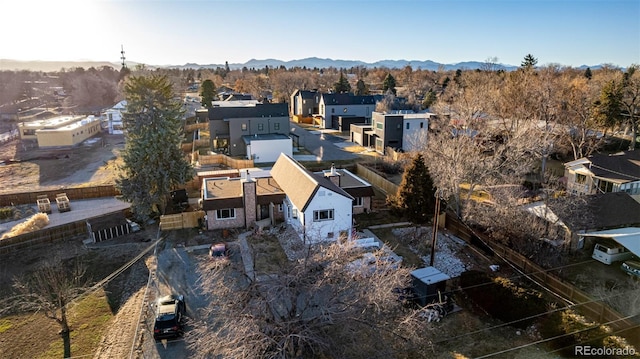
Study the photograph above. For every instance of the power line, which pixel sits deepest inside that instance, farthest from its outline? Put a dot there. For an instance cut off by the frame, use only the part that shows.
(552, 338)
(532, 317)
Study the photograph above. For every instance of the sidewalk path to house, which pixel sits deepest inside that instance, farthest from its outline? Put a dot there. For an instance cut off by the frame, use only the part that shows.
(247, 256)
(321, 144)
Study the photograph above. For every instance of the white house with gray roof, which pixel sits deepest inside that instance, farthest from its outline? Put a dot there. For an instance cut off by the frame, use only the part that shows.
(314, 205)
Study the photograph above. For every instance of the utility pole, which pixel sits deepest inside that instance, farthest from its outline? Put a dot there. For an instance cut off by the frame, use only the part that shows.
(122, 56)
(434, 238)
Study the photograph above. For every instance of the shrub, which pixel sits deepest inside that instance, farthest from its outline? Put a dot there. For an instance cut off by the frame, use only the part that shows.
(502, 299)
(572, 329)
(6, 212)
(34, 223)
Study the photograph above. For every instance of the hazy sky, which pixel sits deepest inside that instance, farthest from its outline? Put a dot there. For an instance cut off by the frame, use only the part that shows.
(161, 32)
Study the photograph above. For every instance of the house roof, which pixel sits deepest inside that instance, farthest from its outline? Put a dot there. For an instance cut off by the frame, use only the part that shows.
(598, 211)
(350, 183)
(258, 110)
(619, 167)
(107, 221)
(222, 193)
(347, 99)
(300, 184)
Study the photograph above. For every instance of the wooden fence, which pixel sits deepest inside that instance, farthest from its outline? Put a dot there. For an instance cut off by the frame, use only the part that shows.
(597, 311)
(65, 232)
(72, 194)
(376, 180)
(181, 220)
(196, 126)
(224, 160)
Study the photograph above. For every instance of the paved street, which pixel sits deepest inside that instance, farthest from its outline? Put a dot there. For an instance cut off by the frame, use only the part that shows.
(321, 144)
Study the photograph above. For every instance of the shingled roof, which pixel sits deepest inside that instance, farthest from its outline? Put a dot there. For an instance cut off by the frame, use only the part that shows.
(622, 166)
(598, 211)
(300, 184)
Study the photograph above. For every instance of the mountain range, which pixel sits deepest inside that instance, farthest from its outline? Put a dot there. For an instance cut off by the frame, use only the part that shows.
(310, 63)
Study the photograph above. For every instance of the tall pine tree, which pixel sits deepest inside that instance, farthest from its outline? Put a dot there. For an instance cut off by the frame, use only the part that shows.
(154, 163)
(415, 197)
(208, 93)
(342, 86)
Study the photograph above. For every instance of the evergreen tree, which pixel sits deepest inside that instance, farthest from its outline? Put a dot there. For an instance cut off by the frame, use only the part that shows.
(588, 74)
(415, 196)
(342, 86)
(389, 84)
(608, 107)
(429, 99)
(529, 61)
(154, 163)
(208, 93)
(361, 88)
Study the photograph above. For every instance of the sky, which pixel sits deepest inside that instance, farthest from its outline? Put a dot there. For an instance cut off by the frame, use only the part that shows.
(176, 32)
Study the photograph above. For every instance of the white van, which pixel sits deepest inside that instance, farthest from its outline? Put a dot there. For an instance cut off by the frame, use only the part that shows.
(608, 253)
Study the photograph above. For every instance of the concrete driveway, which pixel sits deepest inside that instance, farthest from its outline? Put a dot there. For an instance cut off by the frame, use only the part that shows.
(321, 144)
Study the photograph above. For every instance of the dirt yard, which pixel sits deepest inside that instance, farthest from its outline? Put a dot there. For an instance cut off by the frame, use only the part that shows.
(25, 168)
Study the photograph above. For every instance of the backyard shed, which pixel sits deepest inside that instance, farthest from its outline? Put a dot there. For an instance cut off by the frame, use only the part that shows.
(108, 226)
(427, 282)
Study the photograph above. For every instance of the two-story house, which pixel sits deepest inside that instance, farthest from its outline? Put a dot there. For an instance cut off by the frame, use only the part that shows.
(403, 129)
(112, 118)
(304, 104)
(258, 130)
(339, 111)
(318, 205)
(601, 173)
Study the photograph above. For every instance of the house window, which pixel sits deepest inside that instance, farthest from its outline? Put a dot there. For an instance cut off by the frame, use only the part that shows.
(280, 208)
(323, 215)
(226, 213)
(605, 186)
(421, 124)
(581, 178)
(333, 110)
(276, 126)
(357, 202)
(408, 125)
(261, 127)
(295, 213)
(243, 127)
(379, 125)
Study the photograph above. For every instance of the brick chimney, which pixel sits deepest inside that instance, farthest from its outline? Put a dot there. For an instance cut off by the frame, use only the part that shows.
(250, 199)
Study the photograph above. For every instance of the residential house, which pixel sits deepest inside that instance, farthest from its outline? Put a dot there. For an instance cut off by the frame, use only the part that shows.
(304, 104)
(241, 202)
(339, 111)
(402, 129)
(60, 130)
(112, 118)
(318, 205)
(601, 173)
(573, 216)
(230, 125)
(314, 206)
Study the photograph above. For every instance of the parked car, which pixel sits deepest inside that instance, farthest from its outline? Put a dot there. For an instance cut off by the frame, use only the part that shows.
(219, 251)
(170, 313)
(632, 268)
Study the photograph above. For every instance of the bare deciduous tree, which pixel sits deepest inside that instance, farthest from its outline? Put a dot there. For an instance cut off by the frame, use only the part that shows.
(313, 307)
(50, 289)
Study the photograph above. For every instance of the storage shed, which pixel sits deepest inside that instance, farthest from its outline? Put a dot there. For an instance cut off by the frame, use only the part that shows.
(427, 282)
(108, 226)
